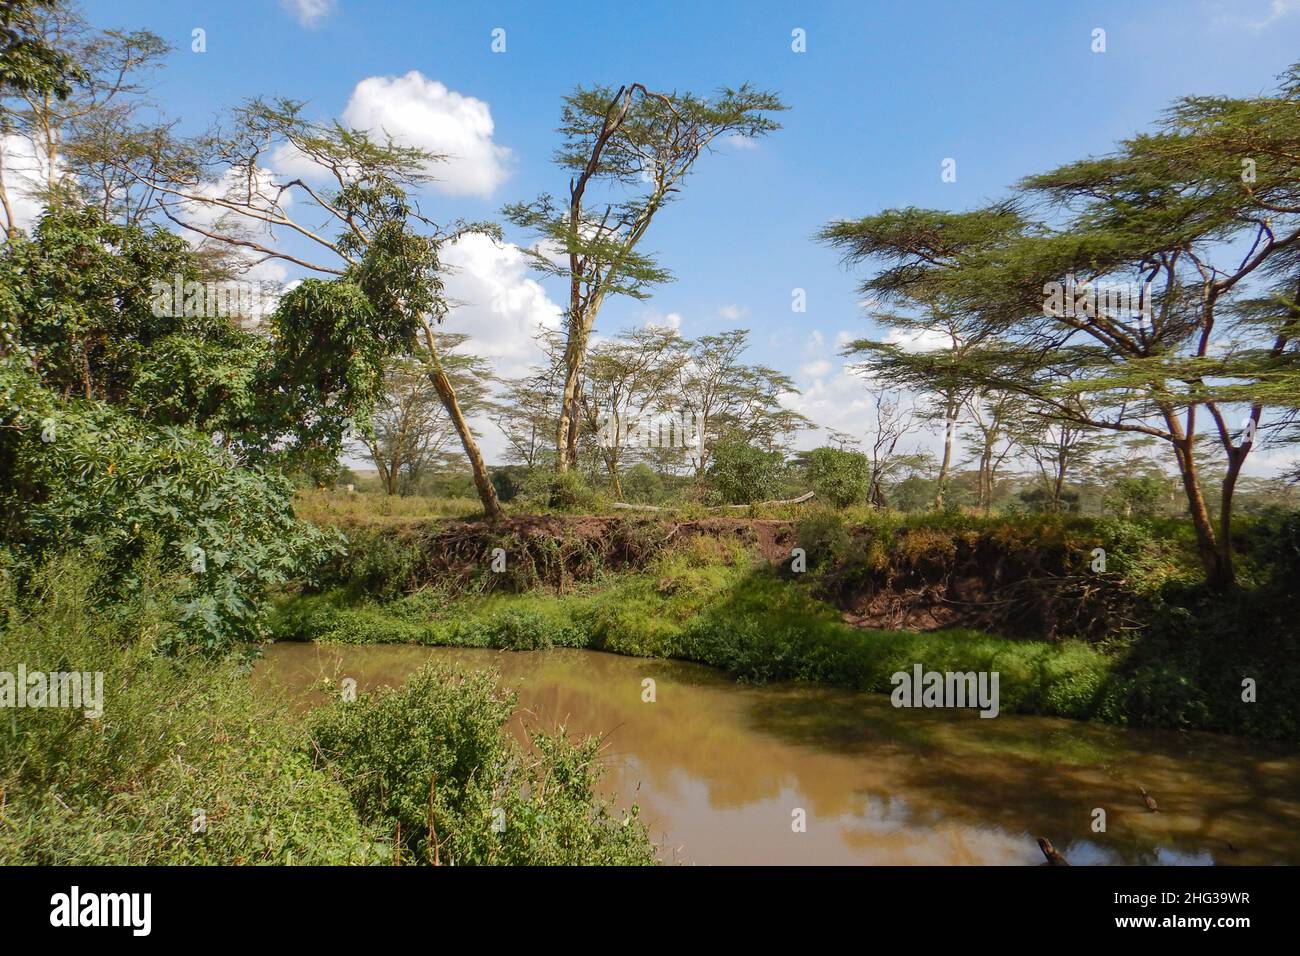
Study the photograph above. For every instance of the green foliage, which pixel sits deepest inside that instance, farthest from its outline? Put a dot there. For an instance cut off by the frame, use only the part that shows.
(28, 63)
(508, 480)
(177, 734)
(1137, 496)
(840, 478)
(743, 474)
(643, 485)
(565, 491)
(824, 537)
(432, 764)
(84, 473)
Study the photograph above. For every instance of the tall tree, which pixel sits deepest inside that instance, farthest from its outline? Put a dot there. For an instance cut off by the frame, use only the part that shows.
(893, 420)
(1161, 223)
(947, 337)
(77, 134)
(991, 441)
(360, 187)
(639, 145)
(727, 398)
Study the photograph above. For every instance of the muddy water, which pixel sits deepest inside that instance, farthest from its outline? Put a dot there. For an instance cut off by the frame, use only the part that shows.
(719, 768)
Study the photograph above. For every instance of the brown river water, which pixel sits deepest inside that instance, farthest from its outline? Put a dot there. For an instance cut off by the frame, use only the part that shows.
(719, 769)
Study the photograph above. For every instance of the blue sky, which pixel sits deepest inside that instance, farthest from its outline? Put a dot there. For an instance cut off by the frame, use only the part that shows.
(883, 94)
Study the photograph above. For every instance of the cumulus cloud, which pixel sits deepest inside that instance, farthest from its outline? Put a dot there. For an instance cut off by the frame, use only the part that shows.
(496, 303)
(673, 320)
(309, 13)
(417, 111)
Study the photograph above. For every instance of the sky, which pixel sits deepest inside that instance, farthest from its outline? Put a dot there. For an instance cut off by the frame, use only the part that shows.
(880, 96)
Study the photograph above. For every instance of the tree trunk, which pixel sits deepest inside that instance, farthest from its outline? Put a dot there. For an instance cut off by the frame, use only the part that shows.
(1219, 572)
(612, 464)
(949, 433)
(575, 351)
(486, 492)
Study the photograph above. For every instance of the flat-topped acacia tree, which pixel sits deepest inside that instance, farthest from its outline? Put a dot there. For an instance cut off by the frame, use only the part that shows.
(638, 146)
(1199, 219)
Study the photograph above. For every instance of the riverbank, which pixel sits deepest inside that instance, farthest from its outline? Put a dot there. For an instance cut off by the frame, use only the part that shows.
(717, 601)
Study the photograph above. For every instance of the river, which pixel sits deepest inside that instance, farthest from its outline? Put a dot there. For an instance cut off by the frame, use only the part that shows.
(723, 771)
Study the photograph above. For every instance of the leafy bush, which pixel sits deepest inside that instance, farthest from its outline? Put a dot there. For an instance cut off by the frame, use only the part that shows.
(741, 474)
(85, 473)
(824, 537)
(566, 491)
(840, 478)
(432, 764)
(643, 485)
(1137, 496)
(178, 734)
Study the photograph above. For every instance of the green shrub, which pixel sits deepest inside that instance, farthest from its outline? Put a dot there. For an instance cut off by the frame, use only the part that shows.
(432, 764)
(840, 478)
(741, 474)
(565, 491)
(178, 734)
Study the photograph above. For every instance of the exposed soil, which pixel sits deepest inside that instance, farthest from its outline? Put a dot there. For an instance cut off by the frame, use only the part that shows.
(918, 579)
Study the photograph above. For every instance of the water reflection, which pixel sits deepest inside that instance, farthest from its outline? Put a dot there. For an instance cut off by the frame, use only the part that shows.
(718, 768)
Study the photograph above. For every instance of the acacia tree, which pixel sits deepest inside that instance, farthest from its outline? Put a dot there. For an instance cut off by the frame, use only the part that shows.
(410, 425)
(629, 384)
(83, 130)
(361, 188)
(728, 398)
(948, 337)
(639, 145)
(1058, 447)
(893, 419)
(1165, 217)
(991, 440)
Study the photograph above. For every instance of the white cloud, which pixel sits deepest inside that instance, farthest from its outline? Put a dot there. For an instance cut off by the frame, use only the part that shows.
(270, 274)
(25, 173)
(815, 369)
(672, 320)
(733, 313)
(496, 303)
(736, 141)
(919, 340)
(1232, 15)
(309, 13)
(417, 111)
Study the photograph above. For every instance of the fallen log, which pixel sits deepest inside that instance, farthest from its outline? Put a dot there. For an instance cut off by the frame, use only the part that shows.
(620, 506)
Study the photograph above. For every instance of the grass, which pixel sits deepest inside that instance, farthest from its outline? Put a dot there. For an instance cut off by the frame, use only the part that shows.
(715, 609)
(333, 506)
(186, 739)
(1149, 646)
